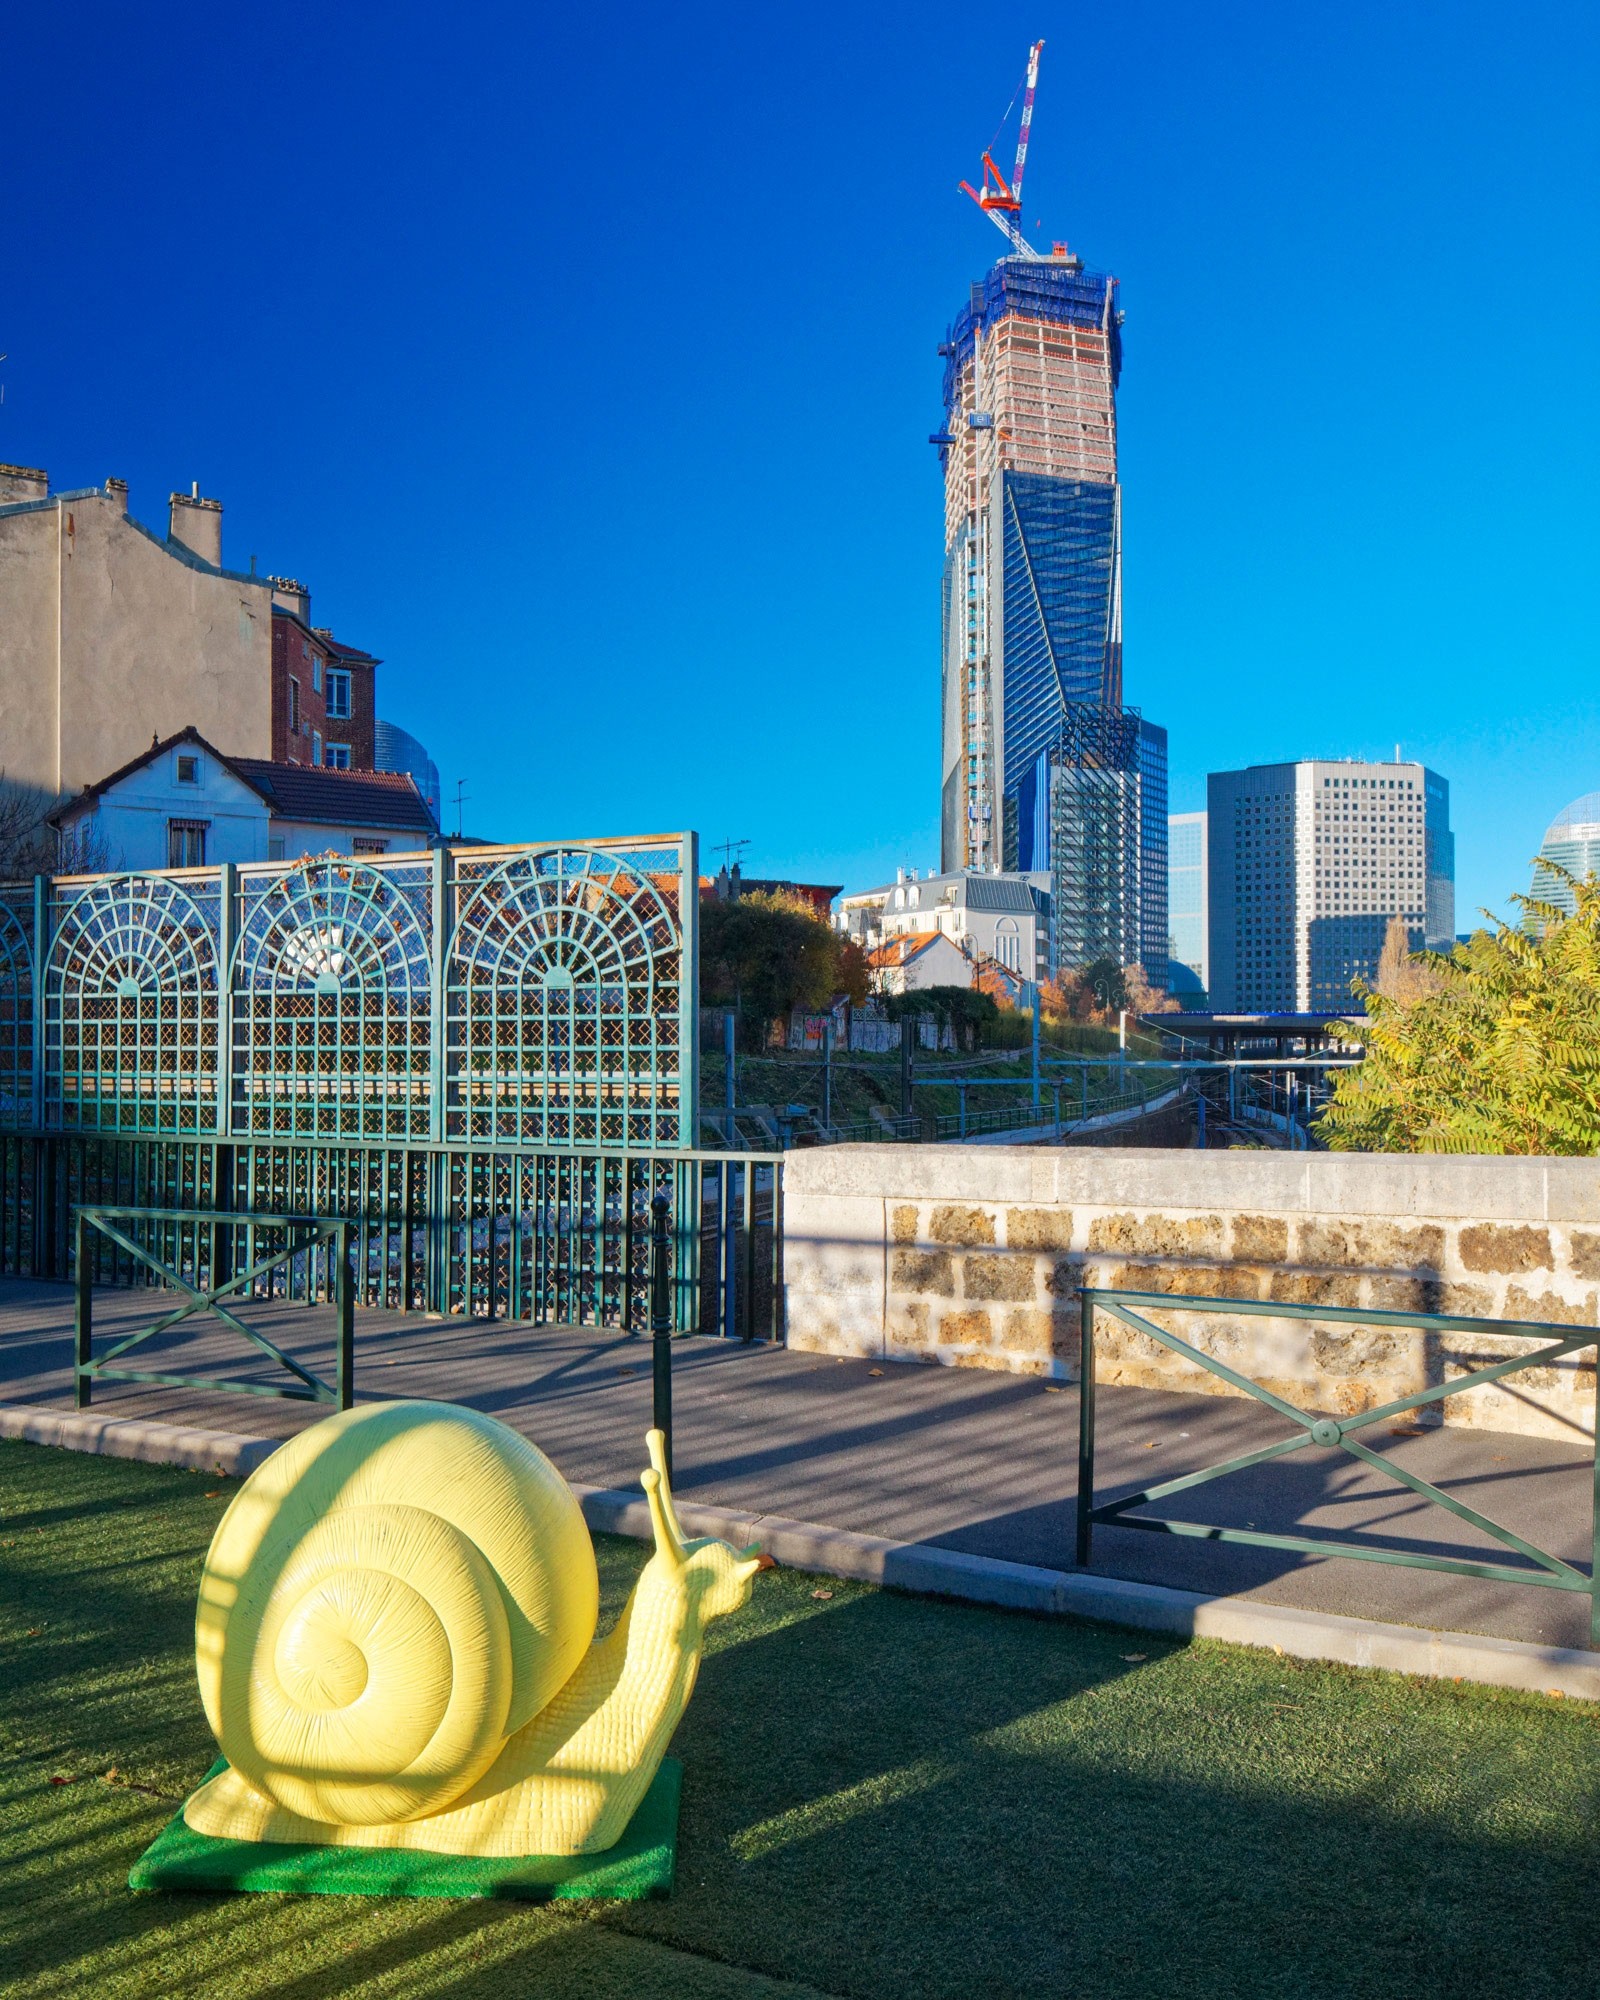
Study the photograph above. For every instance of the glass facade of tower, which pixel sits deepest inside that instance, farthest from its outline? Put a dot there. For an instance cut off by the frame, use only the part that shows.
(1043, 767)
(1187, 943)
(1571, 843)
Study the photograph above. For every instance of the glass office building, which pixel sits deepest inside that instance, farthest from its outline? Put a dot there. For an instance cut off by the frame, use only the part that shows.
(1571, 843)
(1188, 947)
(1043, 766)
(1307, 866)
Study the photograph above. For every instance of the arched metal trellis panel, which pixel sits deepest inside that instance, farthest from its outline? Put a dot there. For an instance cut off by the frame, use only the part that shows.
(566, 1000)
(131, 1006)
(332, 1002)
(16, 1010)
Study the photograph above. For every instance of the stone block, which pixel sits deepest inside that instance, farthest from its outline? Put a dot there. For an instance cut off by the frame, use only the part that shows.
(1404, 1295)
(1039, 1228)
(1584, 1253)
(965, 1329)
(1522, 1304)
(1372, 1245)
(1140, 1178)
(962, 1227)
(1465, 1301)
(1488, 1246)
(1159, 1235)
(1315, 1288)
(903, 1222)
(1261, 1239)
(1202, 1281)
(1356, 1350)
(923, 1271)
(906, 1324)
(997, 1277)
(1025, 1330)
(1066, 1274)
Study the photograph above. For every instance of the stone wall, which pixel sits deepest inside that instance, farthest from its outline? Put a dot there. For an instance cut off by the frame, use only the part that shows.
(973, 1256)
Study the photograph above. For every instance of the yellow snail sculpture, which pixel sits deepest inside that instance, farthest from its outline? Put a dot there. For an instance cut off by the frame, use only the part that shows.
(395, 1644)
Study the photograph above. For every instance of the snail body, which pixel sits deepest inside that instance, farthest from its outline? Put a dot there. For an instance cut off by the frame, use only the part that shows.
(395, 1643)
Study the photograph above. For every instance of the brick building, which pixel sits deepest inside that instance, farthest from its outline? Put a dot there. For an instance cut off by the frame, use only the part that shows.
(323, 692)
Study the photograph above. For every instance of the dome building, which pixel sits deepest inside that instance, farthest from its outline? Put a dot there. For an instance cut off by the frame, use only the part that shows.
(1572, 842)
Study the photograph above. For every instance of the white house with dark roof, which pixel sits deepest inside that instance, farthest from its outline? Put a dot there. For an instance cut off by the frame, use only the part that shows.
(1003, 919)
(183, 804)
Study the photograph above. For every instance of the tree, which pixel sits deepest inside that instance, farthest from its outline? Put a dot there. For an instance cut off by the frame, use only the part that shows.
(1106, 981)
(968, 1013)
(1499, 1053)
(27, 844)
(1403, 974)
(766, 954)
(1143, 998)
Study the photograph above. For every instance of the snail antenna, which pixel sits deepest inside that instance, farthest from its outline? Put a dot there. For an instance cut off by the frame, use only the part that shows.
(667, 1541)
(656, 1444)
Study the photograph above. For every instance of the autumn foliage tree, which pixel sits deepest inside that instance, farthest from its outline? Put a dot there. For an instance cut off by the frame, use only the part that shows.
(767, 954)
(1494, 1048)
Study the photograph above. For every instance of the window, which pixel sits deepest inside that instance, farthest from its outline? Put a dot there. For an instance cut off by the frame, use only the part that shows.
(274, 846)
(359, 846)
(294, 706)
(338, 694)
(316, 673)
(188, 770)
(337, 756)
(186, 843)
(316, 746)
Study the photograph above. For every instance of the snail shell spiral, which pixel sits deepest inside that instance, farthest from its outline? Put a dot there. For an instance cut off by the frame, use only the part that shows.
(388, 1598)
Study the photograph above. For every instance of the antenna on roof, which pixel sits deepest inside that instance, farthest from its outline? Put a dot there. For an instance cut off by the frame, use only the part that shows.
(730, 850)
(461, 793)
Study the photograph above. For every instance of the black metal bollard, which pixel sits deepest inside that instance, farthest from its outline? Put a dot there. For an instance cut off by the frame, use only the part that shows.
(661, 1323)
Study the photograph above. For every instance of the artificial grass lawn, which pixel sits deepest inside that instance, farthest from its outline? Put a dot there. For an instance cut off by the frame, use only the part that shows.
(882, 1797)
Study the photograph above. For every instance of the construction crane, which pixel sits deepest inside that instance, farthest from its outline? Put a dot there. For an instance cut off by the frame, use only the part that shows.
(999, 198)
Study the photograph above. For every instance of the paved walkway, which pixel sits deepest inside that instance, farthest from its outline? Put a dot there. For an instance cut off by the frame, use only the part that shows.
(959, 1458)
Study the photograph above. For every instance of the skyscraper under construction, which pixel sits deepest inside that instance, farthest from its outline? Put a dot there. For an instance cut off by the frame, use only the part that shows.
(1043, 766)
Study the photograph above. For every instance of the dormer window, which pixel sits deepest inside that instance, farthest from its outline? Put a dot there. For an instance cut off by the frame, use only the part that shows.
(188, 770)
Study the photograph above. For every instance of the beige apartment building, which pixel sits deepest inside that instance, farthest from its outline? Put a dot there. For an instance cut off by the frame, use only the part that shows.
(110, 636)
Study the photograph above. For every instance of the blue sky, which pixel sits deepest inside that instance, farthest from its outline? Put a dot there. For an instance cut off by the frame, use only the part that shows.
(583, 365)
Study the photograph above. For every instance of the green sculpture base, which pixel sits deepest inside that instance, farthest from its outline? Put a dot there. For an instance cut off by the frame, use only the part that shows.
(639, 1866)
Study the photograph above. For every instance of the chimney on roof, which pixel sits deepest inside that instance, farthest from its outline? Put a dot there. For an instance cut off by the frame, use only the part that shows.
(197, 524)
(23, 482)
(293, 596)
(117, 492)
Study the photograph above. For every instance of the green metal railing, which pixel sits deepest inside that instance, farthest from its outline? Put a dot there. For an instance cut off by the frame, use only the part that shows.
(494, 1233)
(1311, 1428)
(307, 1239)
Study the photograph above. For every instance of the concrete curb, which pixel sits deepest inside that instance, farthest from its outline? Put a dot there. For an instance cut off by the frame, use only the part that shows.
(927, 1570)
(131, 1437)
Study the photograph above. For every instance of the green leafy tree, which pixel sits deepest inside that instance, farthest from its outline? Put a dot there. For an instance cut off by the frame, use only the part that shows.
(766, 955)
(1107, 981)
(1495, 1050)
(969, 1014)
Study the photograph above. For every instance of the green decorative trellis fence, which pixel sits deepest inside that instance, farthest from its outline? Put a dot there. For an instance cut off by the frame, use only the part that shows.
(483, 1057)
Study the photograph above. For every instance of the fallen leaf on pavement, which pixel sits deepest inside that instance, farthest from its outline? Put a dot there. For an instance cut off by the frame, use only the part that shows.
(874, 1371)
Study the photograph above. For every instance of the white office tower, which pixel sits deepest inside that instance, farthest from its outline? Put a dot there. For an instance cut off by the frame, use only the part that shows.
(1307, 865)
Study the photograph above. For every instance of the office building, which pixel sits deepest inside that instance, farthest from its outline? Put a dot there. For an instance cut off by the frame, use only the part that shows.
(396, 749)
(1307, 863)
(1044, 770)
(1188, 942)
(1571, 842)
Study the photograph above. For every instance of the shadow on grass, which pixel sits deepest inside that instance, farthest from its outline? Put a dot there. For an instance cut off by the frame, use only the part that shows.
(885, 1796)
